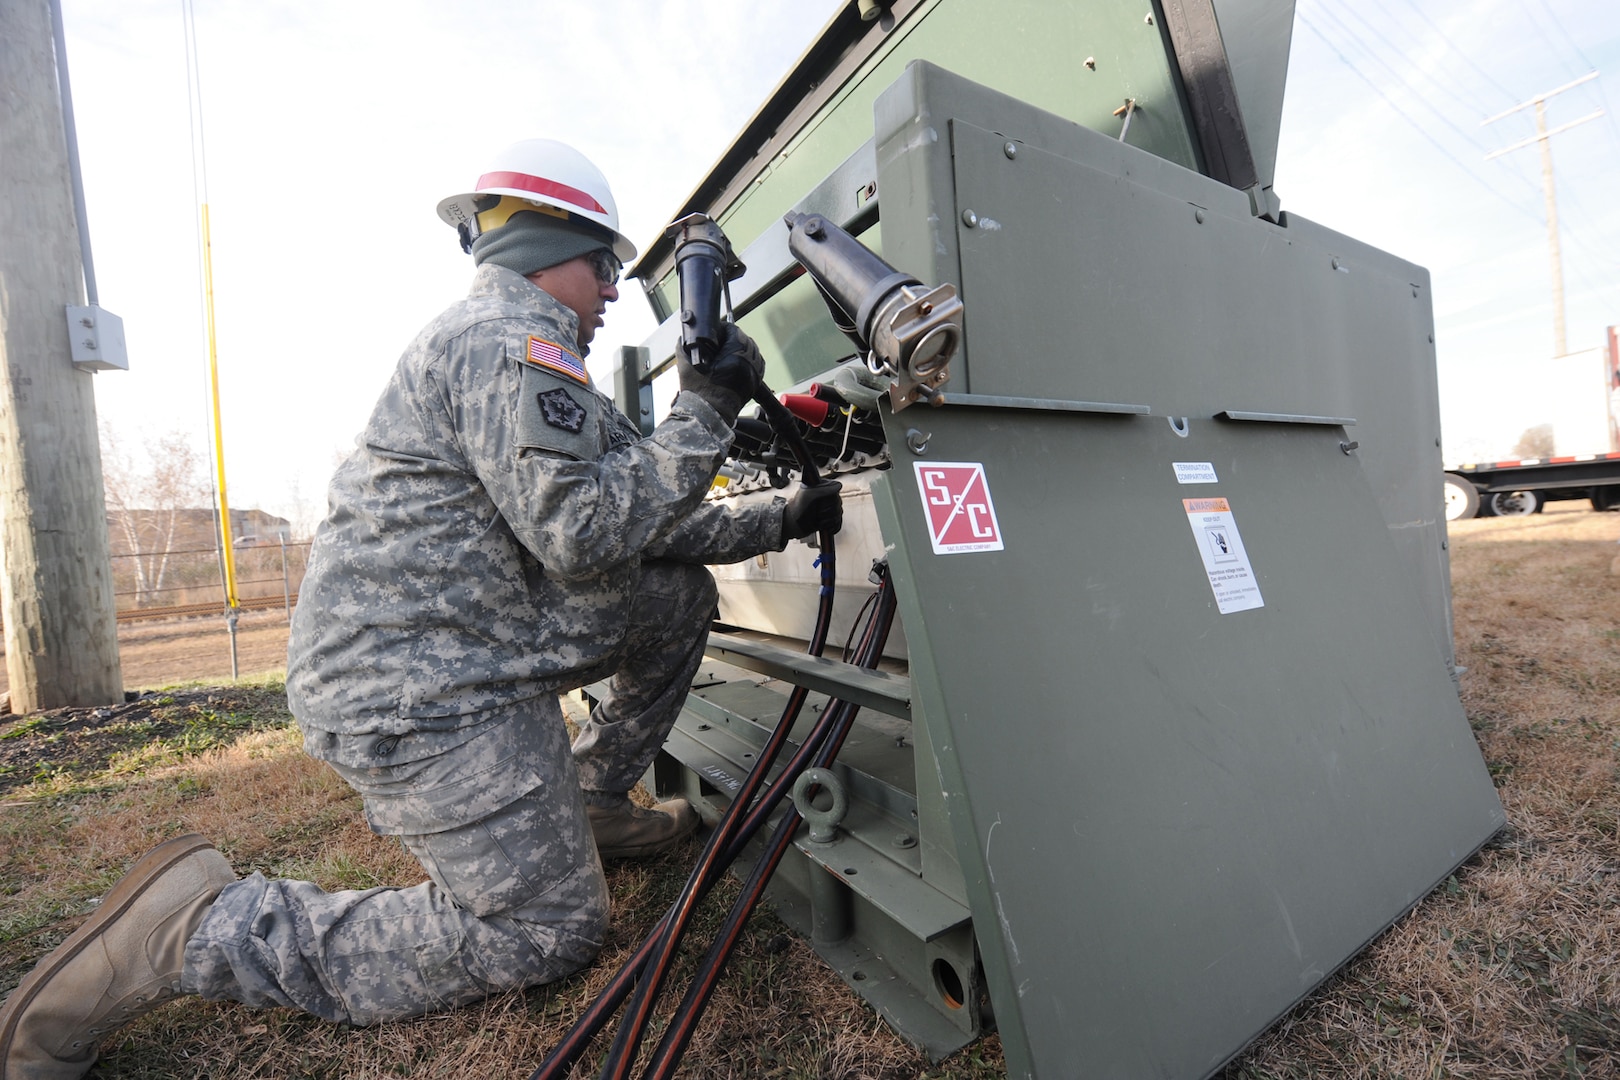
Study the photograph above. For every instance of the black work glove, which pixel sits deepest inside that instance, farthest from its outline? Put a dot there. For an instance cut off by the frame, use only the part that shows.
(812, 510)
(733, 374)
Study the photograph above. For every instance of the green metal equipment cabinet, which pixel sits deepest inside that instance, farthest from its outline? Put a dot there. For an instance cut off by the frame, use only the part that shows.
(1174, 732)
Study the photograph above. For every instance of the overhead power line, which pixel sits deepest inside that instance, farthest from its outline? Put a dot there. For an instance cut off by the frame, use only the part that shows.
(1417, 7)
(1460, 96)
(1375, 51)
(1574, 47)
(1404, 114)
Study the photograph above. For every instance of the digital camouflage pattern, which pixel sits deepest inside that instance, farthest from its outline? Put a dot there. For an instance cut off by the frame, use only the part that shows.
(515, 900)
(476, 555)
(501, 533)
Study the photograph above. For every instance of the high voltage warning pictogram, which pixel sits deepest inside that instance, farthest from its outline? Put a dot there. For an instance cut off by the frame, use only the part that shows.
(956, 499)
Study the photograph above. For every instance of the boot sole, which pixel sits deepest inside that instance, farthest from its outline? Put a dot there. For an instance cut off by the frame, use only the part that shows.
(135, 881)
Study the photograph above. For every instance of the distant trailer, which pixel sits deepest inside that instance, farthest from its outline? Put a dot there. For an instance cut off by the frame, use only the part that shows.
(1512, 488)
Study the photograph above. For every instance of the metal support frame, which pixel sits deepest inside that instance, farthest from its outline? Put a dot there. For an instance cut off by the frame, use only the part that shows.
(1212, 97)
(632, 391)
(868, 899)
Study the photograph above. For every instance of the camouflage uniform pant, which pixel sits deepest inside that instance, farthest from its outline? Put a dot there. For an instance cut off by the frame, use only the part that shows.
(514, 899)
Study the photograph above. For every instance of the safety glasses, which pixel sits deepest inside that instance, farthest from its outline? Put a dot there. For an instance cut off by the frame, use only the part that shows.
(606, 264)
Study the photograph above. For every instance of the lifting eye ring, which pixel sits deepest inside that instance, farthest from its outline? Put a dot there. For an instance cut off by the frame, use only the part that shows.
(1178, 424)
(823, 821)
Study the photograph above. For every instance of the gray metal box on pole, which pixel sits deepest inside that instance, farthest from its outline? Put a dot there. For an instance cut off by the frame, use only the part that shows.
(96, 339)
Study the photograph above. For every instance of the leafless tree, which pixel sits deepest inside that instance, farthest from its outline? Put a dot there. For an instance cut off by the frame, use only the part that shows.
(146, 503)
(1536, 442)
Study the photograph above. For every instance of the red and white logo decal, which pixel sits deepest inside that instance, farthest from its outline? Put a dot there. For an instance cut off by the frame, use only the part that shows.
(956, 498)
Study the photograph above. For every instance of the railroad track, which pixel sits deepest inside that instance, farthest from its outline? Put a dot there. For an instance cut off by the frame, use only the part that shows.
(186, 611)
(181, 611)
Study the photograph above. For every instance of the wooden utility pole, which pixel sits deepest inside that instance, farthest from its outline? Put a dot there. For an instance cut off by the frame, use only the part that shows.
(56, 588)
(1543, 136)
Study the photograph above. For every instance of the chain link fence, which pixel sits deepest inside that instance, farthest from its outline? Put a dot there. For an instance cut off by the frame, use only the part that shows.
(190, 580)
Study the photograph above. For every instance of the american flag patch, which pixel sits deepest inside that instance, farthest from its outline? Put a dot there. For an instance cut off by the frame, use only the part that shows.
(543, 353)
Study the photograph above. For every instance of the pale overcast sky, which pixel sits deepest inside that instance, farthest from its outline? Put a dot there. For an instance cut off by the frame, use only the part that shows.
(332, 130)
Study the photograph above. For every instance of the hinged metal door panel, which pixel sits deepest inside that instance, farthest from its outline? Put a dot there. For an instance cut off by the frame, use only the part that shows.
(1174, 822)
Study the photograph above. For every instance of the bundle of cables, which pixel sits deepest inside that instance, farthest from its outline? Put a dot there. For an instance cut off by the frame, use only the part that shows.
(645, 971)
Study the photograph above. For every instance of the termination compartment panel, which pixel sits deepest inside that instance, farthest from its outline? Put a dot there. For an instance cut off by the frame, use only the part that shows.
(1173, 822)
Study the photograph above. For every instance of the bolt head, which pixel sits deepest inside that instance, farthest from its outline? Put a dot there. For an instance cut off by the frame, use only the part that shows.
(970, 219)
(1010, 149)
(1198, 215)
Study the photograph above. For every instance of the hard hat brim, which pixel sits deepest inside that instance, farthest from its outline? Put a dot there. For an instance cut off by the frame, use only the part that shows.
(462, 210)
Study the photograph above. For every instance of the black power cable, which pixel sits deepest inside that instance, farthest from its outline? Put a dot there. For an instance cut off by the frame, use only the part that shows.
(607, 1002)
(632, 1028)
(652, 959)
(667, 1058)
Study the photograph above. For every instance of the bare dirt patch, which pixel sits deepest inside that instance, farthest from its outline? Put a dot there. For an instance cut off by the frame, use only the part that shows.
(161, 653)
(72, 745)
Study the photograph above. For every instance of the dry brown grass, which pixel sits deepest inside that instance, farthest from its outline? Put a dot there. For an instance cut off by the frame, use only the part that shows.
(1512, 969)
(1509, 970)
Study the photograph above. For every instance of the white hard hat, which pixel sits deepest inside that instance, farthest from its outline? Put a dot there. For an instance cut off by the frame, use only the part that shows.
(554, 177)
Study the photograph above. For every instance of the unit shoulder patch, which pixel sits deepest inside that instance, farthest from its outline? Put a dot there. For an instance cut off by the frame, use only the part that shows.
(561, 411)
(557, 417)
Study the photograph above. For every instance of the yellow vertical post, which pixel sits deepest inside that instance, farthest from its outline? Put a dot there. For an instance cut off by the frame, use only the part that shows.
(219, 437)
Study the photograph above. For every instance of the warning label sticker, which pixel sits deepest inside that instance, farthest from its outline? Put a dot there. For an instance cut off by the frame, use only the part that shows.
(956, 500)
(1225, 560)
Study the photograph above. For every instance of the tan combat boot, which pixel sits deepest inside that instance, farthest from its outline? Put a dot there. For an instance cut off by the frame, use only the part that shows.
(120, 964)
(628, 831)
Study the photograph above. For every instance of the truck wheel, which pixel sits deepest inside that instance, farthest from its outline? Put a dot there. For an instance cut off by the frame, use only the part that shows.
(1605, 498)
(1462, 498)
(1516, 503)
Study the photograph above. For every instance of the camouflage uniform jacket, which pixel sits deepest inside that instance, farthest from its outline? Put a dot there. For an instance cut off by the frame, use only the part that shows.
(485, 539)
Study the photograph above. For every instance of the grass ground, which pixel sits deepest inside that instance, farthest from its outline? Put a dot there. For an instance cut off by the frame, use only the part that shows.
(1509, 970)
(85, 795)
